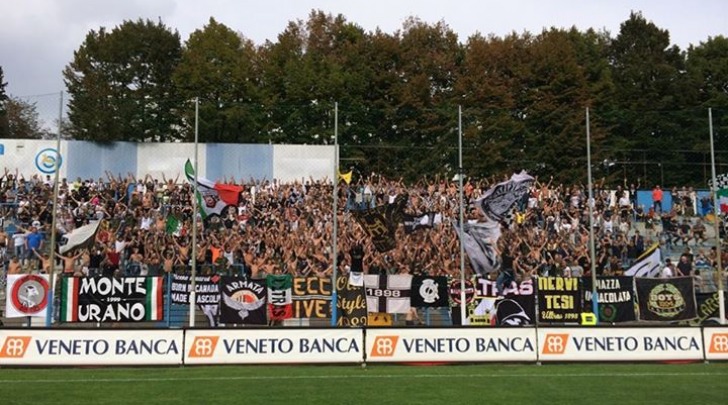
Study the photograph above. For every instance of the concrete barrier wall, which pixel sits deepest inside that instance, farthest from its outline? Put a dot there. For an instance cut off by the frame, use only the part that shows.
(215, 161)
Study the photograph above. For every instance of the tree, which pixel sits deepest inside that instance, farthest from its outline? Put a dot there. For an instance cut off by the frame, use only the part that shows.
(23, 120)
(219, 66)
(120, 83)
(650, 99)
(4, 131)
(312, 65)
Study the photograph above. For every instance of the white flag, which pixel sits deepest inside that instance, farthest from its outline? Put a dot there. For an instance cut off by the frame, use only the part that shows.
(647, 265)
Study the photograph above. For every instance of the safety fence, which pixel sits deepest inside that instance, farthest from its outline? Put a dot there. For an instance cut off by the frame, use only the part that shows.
(232, 300)
(59, 347)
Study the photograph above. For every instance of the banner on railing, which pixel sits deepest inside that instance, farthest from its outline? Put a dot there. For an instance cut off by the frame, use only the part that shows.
(351, 303)
(266, 346)
(429, 292)
(708, 306)
(279, 296)
(615, 297)
(666, 299)
(108, 299)
(29, 347)
(26, 295)
(559, 300)
(515, 307)
(619, 344)
(243, 301)
(311, 297)
(207, 289)
(388, 293)
(427, 345)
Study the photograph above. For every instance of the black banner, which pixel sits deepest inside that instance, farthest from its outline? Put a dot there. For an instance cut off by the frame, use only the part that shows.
(108, 299)
(708, 309)
(311, 297)
(381, 222)
(666, 299)
(429, 292)
(207, 289)
(559, 299)
(351, 304)
(516, 307)
(615, 297)
(243, 301)
(207, 294)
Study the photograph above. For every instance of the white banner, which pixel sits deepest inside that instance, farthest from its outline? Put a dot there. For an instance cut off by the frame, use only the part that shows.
(27, 347)
(26, 295)
(619, 344)
(259, 346)
(716, 343)
(431, 345)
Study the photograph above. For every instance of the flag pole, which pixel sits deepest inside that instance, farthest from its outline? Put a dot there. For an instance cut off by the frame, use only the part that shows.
(592, 258)
(52, 250)
(462, 217)
(716, 222)
(193, 284)
(334, 241)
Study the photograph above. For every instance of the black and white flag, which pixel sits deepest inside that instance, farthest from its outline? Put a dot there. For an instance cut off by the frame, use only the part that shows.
(498, 200)
(479, 241)
(415, 222)
(721, 180)
(647, 265)
(390, 294)
(429, 291)
(79, 237)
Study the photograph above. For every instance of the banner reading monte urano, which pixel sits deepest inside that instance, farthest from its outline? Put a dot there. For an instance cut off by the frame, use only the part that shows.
(559, 299)
(107, 299)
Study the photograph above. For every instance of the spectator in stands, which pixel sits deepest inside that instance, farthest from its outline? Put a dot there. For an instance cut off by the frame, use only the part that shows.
(657, 199)
(685, 266)
(668, 271)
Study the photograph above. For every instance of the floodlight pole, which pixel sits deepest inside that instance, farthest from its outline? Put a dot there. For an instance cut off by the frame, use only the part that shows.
(334, 227)
(193, 275)
(716, 223)
(463, 304)
(52, 251)
(592, 259)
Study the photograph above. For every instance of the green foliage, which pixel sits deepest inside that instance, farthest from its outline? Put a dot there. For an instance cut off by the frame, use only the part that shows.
(524, 96)
(23, 120)
(120, 83)
(219, 66)
(4, 131)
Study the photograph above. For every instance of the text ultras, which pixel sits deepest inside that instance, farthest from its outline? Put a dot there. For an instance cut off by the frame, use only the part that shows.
(558, 298)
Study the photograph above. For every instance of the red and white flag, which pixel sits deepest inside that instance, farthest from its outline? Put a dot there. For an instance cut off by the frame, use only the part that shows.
(212, 198)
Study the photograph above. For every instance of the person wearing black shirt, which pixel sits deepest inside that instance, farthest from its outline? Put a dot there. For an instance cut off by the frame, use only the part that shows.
(357, 258)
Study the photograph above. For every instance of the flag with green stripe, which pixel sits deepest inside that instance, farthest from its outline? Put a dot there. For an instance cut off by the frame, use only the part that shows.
(69, 299)
(154, 301)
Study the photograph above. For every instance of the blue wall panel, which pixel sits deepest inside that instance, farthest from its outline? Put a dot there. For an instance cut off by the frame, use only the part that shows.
(91, 160)
(241, 161)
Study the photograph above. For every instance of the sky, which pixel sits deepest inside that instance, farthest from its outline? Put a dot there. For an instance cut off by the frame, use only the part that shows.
(38, 37)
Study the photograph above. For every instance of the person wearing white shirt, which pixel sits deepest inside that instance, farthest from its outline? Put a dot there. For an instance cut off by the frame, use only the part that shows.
(667, 271)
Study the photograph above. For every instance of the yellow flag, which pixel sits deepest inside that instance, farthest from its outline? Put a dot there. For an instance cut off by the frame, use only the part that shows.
(346, 176)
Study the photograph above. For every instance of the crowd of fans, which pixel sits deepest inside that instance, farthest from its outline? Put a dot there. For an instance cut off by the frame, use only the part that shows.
(287, 228)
